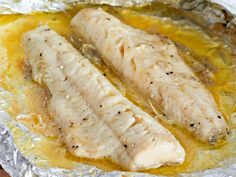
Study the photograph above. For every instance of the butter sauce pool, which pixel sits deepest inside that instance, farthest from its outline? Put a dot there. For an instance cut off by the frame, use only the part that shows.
(28, 101)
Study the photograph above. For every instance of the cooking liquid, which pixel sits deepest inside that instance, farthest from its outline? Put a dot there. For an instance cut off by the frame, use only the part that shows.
(28, 101)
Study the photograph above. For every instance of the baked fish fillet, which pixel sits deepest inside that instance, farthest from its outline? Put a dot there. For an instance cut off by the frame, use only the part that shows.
(96, 120)
(152, 65)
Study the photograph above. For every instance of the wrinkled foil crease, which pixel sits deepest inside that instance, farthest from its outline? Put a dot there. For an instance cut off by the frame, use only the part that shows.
(28, 6)
(18, 164)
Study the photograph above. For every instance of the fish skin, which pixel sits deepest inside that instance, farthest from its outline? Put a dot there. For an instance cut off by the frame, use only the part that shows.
(152, 65)
(97, 121)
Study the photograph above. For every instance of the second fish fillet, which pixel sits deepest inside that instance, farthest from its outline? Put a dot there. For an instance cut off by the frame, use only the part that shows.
(152, 65)
(97, 121)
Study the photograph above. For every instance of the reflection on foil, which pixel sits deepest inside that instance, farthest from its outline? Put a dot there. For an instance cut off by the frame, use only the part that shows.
(28, 6)
(228, 4)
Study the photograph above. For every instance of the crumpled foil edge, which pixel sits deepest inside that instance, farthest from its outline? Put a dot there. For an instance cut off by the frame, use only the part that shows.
(29, 6)
(228, 4)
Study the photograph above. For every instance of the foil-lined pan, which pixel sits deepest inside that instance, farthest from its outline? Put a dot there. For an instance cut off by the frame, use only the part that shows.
(27, 6)
(18, 163)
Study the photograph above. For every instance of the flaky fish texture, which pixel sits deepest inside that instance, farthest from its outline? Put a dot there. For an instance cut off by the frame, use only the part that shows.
(152, 65)
(97, 121)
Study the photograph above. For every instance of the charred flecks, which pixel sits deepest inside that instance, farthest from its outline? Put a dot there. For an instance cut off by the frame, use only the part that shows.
(41, 54)
(66, 78)
(192, 125)
(47, 29)
(119, 112)
(84, 119)
(227, 18)
(125, 145)
(171, 56)
(219, 117)
(169, 73)
(71, 124)
(151, 82)
(59, 43)
(74, 147)
(212, 139)
(227, 131)
(104, 75)
(193, 78)
(108, 19)
(164, 114)
(100, 105)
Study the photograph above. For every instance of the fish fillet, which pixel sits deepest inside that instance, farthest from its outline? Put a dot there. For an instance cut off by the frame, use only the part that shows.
(97, 121)
(151, 64)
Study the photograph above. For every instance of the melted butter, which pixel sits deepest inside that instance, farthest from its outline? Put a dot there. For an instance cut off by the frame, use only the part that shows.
(28, 105)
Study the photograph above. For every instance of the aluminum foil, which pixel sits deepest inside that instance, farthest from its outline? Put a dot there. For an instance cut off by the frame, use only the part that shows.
(228, 4)
(27, 6)
(19, 164)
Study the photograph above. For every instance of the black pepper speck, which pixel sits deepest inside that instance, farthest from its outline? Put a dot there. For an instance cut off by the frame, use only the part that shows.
(192, 125)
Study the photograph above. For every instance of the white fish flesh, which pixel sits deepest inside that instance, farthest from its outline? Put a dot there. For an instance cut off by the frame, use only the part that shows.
(152, 65)
(97, 121)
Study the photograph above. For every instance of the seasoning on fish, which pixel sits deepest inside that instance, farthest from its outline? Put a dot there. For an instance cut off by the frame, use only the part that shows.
(152, 65)
(96, 120)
